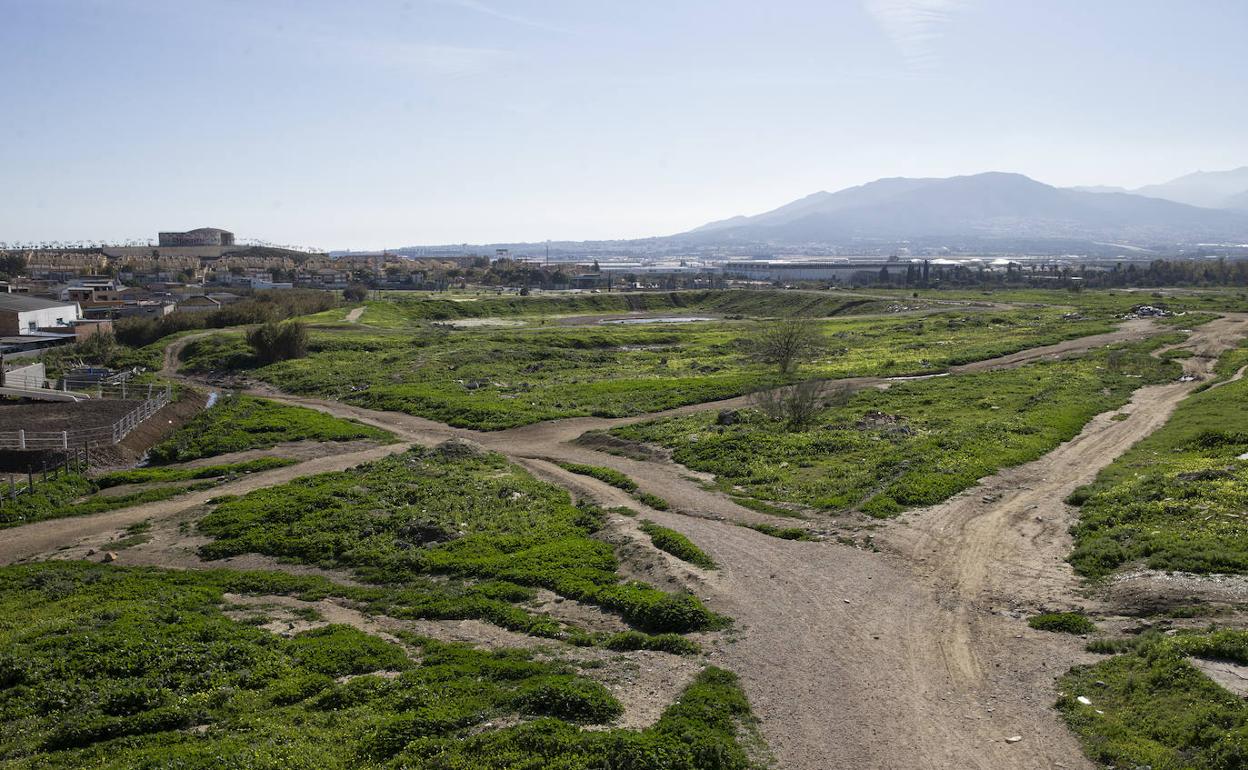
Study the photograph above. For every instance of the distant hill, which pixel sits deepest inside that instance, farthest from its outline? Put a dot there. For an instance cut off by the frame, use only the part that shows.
(981, 206)
(1211, 189)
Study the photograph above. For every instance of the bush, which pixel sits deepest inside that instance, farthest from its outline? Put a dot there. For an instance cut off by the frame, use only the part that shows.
(1062, 622)
(677, 545)
(608, 475)
(272, 342)
(567, 697)
(654, 501)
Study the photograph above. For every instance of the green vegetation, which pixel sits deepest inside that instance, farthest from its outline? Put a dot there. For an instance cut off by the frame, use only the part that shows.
(1175, 500)
(1062, 622)
(1150, 707)
(447, 511)
(677, 545)
(161, 475)
(606, 475)
(395, 313)
(1101, 304)
(503, 378)
(654, 501)
(784, 533)
(238, 423)
(74, 495)
(917, 443)
(116, 667)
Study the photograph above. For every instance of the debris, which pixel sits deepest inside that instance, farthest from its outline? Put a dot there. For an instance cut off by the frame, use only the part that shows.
(109, 557)
(1084, 700)
(1014, 739)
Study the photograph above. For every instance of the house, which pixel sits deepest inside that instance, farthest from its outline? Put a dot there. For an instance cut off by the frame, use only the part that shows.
(24, 314)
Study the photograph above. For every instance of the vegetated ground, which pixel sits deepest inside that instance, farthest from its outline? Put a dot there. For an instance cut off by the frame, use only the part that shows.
(1178, 500)
(238, 423)
(916, 443)
(919, 653)
(495, 379)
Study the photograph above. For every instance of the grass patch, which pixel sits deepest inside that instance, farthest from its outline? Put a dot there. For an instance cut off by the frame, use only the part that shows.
(606, 475)
(161, 475)
(494, 379)
(1062, 622)
(653, 501)
(677, 545)
(445, 512)
(1175, 500)
(918, 443)
(72, 495)
(784, 533)
(237, 423)
(126, 667)
(1150, 707)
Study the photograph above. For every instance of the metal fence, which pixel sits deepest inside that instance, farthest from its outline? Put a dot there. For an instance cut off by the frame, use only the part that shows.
(154, 397)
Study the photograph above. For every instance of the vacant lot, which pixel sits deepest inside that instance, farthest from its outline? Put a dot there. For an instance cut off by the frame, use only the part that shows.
(916, 443)
(500, 379)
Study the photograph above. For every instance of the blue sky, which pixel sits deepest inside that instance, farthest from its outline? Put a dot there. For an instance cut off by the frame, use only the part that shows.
(385, 123)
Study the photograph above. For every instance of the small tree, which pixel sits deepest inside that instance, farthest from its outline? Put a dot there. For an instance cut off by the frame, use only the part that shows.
(356, 292)
(786, 344)
(796, 405)
(272, 342)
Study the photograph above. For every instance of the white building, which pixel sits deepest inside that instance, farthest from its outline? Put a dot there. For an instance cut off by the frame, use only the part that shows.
(23, 314)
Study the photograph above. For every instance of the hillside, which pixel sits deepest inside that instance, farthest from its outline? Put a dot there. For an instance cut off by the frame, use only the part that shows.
(985, 205)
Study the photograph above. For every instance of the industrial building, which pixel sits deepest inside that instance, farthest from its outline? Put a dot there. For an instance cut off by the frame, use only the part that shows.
(24, 314)
(204, 236)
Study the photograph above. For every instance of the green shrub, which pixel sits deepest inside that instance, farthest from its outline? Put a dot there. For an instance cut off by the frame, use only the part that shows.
(784, 533)
(676, 544)
(566, 697)
(607, 475)
(654, 501)
(1062, 622)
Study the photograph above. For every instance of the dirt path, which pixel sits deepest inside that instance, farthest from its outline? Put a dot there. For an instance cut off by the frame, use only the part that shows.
(354, 316)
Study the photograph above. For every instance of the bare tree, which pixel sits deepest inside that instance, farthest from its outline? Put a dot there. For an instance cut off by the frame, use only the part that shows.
(786, 344)
(793, 405)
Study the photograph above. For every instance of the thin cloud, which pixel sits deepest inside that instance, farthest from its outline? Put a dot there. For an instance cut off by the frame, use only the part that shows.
(478, 7)
(915, 26)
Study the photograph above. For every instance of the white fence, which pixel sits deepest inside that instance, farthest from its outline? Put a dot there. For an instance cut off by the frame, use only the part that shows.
(157, 396)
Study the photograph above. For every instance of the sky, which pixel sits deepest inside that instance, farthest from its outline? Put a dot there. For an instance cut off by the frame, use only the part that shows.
(385, 123)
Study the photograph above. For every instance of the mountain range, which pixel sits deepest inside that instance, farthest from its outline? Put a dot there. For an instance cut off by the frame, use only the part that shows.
(993, 206)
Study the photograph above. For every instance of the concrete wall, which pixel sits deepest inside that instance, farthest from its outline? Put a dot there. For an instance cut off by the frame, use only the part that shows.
(29, 376)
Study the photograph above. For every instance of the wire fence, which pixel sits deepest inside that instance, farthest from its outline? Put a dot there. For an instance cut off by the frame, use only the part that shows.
(153, 398)
(72, 461)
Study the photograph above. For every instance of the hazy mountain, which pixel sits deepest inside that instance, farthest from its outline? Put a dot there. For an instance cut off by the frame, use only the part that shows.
(1099, 188)
(1211, 189)
(982, 206)
(1239, 202)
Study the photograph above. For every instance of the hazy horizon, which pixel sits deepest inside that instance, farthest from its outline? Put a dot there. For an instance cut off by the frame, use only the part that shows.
(446, 121)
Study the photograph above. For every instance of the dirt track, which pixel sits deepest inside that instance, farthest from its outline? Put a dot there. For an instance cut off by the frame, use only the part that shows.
(910, 658)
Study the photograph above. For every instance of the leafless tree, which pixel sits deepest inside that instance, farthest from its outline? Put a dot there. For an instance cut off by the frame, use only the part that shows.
(793, 405)
(787, 343)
